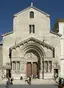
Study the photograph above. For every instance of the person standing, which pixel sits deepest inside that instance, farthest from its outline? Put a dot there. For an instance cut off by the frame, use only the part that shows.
(11, 81)
(8, 83)
(30, 80)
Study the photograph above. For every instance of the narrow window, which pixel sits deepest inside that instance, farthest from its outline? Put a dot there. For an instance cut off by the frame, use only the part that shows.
(31, 14)
(31, 28)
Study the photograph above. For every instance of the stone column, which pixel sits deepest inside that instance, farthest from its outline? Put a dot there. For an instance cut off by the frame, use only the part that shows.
(48, 66)
(32, 68)
(41, 69)
(4, 72)
(24, 73)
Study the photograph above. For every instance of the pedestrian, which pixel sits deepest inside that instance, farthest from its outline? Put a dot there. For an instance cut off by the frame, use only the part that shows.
(11, 81)
(30, 80)
(56, 75)
(8, 83)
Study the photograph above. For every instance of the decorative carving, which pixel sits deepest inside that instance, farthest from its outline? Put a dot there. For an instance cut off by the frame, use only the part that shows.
(17, 71)
(56, 65)
(31, 40)
(8, 65)
(17, 40)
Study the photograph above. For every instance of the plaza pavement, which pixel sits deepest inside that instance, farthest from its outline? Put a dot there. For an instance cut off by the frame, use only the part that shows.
(33, 81)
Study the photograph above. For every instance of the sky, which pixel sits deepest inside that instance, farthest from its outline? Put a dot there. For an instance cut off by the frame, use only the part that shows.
(10, 7)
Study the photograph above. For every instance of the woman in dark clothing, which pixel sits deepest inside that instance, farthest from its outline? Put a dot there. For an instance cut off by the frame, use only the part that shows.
(8, 83)
(29, 80)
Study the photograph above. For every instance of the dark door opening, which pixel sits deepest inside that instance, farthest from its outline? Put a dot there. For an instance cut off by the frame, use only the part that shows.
(8, 73)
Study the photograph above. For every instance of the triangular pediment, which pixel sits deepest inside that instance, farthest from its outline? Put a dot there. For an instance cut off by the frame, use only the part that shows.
(33, 40)
(33, 7)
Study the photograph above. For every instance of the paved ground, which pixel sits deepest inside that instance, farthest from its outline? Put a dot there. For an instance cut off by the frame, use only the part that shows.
(39, 83)
(34, 81)
(30, 86)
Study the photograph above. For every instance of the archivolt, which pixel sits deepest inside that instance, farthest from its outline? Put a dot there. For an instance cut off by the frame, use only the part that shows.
(35, 47)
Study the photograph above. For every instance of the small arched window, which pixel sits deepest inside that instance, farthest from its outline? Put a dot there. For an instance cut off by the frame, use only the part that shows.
(31, 14)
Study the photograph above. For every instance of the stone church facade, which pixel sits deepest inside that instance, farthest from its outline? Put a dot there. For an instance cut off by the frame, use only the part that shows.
(31, 49)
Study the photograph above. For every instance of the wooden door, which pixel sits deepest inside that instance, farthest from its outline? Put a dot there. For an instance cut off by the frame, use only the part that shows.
(28, 69)
(34, 69)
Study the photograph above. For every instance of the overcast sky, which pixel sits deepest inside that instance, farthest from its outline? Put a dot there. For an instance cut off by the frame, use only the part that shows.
(9, 7)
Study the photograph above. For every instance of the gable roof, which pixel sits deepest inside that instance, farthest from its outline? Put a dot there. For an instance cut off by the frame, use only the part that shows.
(60, 20)
(33, 8)
(5, 34)
(55, 33)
